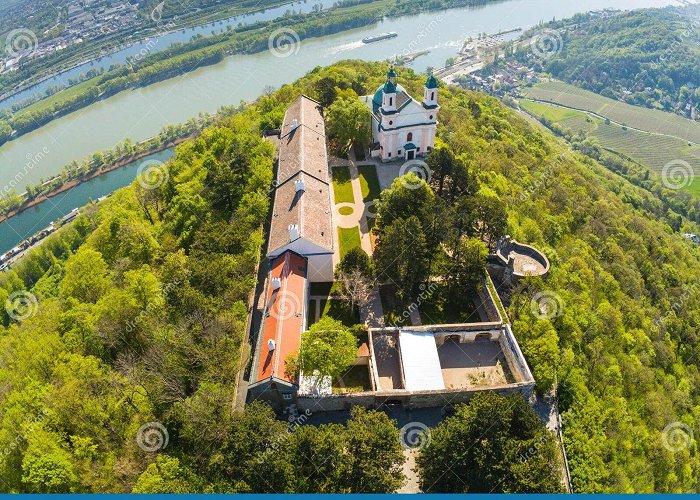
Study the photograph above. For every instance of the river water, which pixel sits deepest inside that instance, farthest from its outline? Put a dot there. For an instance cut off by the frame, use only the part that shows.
(156, 44)
(141, 113)
(36, 218)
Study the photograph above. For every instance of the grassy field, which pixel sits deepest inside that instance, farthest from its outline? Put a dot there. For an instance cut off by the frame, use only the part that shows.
(369, 182)
(349, 238)
(653, 151)
(694, 187)
(650, 120)
(57, 98)
(342, 187)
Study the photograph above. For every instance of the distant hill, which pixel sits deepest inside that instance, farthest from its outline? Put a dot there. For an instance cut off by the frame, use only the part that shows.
(647, 57)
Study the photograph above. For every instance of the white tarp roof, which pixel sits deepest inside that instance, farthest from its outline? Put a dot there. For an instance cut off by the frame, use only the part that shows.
(421, 364)
(315, 385)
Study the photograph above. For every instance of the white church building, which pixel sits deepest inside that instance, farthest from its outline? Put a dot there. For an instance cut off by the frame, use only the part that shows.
(402, 128)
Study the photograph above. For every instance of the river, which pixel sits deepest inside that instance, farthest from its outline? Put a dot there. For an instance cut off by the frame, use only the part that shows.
(155, 44)
(142, 112)
(36, 218)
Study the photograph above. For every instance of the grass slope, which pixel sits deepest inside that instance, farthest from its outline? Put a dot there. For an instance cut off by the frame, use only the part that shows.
(650, 120)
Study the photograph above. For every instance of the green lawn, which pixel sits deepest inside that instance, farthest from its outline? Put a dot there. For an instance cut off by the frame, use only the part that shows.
(550, 112)
(369, 182)
(58, 97)
(349, 238)
(342, 187)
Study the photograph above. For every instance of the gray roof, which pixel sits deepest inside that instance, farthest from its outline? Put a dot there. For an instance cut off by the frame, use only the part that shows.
(302, 156)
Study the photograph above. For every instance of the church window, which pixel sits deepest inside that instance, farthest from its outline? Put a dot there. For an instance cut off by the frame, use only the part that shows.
(391, 122)
(398, 152)
(432, 95)
(431, 117)
(389, 155)
(409, 137)
(391, 101)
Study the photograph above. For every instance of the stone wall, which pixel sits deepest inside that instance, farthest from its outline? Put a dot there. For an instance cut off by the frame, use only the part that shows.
(516, 360)
(407, 399)
(488, 304)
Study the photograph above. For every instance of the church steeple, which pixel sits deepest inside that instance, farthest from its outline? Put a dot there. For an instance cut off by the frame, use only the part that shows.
(391, 76)
(430, 92)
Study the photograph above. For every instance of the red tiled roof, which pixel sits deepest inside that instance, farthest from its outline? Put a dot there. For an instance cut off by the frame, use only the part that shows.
(284, 315)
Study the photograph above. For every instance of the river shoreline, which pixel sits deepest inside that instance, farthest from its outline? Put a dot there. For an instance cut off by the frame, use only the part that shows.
(227, 53)
(76, 182)
(137, 37)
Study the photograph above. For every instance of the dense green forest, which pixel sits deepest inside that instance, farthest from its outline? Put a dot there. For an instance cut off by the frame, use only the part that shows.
(135, 314)
(647, 57)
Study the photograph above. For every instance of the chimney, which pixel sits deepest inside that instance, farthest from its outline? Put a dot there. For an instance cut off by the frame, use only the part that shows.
(270, 345)
(276, 284)
(299, 185)
(293, 232)
(295, 123)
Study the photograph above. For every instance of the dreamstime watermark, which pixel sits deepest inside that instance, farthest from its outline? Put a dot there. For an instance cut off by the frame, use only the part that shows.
(295, 421)
(149, 45)
(371, 209)
(150, 308)
(679, 303)
(21, 437)
(21, 305)
(677, 436)
(677, 174)
(533, 450)
(157, 12)
(285, 307)
(413, 45)
(676, 44)
(417, 167)
(547, 44)
(152, 174)
(33, 161)
(284, 42)
(546, 305)
(414, 436)
(542, 179)
(21, 42)
(425, 294)
(152, 436)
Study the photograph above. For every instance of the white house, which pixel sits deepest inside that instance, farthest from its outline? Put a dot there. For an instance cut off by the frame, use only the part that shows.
(402, 128)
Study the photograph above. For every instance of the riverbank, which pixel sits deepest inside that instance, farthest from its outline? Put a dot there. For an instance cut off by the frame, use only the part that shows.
(75, 182)
(109, 46)
(248, 39)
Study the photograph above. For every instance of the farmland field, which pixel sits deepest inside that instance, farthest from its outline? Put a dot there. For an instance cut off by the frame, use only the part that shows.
(650, 120)
(694, 187)
(653, 151)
